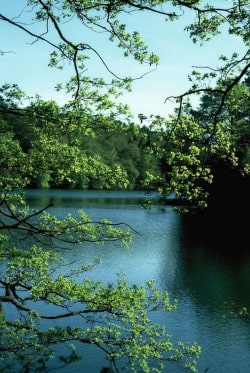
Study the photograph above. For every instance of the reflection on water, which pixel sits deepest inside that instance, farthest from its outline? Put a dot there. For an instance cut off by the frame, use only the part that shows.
(83, 198)
(195, 267)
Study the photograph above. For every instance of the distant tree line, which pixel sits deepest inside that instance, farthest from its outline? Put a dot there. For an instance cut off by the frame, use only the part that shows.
(91, 152)
(192, 157)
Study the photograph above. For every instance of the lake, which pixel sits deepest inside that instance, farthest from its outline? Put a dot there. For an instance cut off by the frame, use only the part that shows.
(199, 267)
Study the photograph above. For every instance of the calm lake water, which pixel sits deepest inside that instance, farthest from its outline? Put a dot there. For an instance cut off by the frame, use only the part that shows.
(200, 268)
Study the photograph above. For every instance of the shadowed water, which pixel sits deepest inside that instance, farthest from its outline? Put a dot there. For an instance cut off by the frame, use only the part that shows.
(199, 268)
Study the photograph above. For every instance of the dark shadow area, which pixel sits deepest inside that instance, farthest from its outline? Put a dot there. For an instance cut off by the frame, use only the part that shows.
(226, 220)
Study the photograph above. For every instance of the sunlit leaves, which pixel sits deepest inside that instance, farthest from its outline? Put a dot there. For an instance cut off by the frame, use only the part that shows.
(13, 163)
(211, 19)
(193, 147)
(11, 95)
(182, 151)
(42, 146)
(114, 317)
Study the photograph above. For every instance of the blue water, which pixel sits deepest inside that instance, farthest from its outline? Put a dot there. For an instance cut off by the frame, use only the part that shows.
(195, 269)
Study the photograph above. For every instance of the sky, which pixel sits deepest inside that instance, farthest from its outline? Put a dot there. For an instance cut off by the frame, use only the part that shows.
(27, 64)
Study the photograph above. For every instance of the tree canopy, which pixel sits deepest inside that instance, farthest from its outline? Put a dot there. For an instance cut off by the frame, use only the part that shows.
(97, 152)
(53, 17)
(48, 22)
(42, 141)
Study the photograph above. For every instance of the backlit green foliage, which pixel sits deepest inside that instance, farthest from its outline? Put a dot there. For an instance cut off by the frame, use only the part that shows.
(47, 147)
(113, 317)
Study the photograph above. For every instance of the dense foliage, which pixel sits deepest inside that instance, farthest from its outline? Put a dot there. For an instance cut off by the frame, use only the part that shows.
(189, 157)
(203, 161)
(45, 145)
(90, 152)
(37, 292)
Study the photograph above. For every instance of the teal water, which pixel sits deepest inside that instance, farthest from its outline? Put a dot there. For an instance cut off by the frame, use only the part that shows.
(199, 269)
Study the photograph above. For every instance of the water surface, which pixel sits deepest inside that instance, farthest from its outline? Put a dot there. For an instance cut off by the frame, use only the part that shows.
(199, 269)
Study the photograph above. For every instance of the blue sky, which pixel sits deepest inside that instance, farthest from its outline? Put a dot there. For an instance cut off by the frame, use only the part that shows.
(26, 64)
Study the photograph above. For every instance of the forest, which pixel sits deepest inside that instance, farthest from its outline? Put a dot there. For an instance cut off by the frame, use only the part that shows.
(102, 152)
(200, 153)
